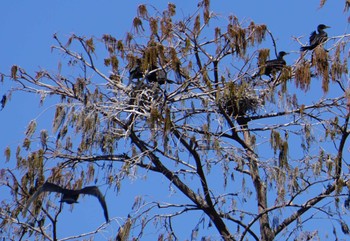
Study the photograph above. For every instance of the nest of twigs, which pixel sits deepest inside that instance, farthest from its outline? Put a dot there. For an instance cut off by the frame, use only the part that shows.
(240, 99)
(144, 98)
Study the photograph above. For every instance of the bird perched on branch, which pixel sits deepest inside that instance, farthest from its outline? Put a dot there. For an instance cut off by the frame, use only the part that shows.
(136, 72)
(274, 65)
(158, 75)
(69, 196)
(316, 38)
(154, 74)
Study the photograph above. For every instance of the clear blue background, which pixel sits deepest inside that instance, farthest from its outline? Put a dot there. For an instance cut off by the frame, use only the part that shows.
(26, 30)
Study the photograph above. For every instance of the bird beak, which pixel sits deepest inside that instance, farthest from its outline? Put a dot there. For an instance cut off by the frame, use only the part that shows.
(328, 26)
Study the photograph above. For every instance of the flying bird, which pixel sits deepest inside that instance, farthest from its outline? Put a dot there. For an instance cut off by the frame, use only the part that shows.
(70, 196)
(316, 38)
(275, 65)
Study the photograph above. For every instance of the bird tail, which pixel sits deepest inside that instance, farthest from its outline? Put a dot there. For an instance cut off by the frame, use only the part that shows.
(304, 48)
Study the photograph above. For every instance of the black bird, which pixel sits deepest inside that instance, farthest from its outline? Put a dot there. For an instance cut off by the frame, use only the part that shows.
(70, 196)
(154, 74)
(158, 75)
(136, 72)
(316, 38)
(275, 65)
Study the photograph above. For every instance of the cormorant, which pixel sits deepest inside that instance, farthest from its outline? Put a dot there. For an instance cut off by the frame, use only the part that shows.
(69, 196)
(316, 38)
(135, 72)
(158, 75)
(275, 64)
(154, 74)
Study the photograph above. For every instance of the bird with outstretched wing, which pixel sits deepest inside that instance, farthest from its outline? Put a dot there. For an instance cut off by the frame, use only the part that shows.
(69, 196)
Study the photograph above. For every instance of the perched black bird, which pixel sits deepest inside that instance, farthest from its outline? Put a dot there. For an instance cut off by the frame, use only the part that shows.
(275, 65)
(316, 38)
(136, 72)
(158, 75)
(69, 196)
(154, 74)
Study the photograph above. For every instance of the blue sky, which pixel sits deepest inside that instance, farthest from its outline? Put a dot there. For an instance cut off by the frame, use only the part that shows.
(26, 34)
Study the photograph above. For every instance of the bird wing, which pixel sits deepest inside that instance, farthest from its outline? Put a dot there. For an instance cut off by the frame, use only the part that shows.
(46, 187)
(276, 63)
(312, 38)
(93, 190)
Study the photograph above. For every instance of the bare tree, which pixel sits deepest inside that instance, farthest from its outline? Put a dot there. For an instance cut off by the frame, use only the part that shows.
(189, 101)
